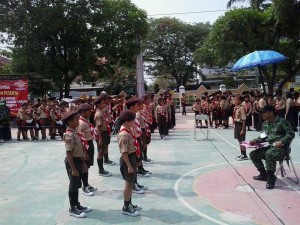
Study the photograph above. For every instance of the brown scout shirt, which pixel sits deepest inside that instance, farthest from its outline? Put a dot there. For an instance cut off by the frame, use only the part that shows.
(73, 143)
(84, 129)
(100, 120)
(240, 113)
(126, 142)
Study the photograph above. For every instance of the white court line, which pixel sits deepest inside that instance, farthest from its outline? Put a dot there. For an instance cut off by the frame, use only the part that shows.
(226, 140)
(180, 198)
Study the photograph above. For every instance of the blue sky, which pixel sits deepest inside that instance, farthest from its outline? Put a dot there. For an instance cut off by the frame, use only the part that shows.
(181, 6)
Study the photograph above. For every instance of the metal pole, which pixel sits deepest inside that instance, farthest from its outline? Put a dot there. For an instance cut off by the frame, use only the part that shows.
(140, 82)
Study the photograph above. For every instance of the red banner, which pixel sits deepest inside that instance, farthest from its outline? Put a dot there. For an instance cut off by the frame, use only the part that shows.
(15, 92)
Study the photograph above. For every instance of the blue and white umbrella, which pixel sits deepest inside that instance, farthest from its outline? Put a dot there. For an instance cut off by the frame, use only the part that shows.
(258, 59)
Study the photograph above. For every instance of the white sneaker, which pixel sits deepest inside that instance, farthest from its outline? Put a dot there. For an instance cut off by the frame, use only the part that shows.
(137, 190)
(76, 213)
(83, 209)
(86, 191)
(129, 211)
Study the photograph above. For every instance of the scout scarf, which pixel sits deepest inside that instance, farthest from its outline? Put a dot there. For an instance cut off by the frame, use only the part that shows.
(136, 143)
(84, 142)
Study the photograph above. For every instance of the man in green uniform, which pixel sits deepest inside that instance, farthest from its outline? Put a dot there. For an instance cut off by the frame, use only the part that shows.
(279, 135)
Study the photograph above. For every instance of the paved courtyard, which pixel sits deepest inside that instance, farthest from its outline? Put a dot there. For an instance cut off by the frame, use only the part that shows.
(193, 182)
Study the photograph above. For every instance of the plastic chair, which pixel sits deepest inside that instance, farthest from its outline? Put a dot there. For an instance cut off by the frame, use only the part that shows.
(201, 117)
(289, 163)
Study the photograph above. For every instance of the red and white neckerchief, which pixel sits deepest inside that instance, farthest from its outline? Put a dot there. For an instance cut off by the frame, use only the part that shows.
(146, 123)
(46, 111)
(110, 112)
(136, 143)
(138, 126)
(57, 116)
(107, 123)
(92, 128)
(84, 142)
(246, 107)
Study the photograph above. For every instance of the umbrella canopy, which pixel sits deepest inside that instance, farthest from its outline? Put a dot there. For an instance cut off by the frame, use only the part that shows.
(258, 58)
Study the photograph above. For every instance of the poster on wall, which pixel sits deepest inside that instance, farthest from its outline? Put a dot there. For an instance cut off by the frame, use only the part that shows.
(14, 92)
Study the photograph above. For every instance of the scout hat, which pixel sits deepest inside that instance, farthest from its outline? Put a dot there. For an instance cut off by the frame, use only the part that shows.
(67, 115)
(127, 115)
(133, 101)
(101, 97)
(83, 107)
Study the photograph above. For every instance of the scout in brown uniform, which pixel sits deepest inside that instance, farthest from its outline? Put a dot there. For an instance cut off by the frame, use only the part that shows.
(197, 110)
(147, 114)
(161, 118)
(134, 106)
(74, 162)
(26, 117)
(248, 110)
(36, 119)
(239, 116)
(44, 115)
(109, 120)
(54, 121)
(87, 130)
(102, 131)
(128, 146)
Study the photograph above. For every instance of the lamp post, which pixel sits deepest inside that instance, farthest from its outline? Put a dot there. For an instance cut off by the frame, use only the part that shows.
(222, 88)
(181, 91)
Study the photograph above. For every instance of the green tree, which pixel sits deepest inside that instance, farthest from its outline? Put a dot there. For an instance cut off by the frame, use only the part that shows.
(255, 4)
(62, 39)
(242, 31)
(169, 48)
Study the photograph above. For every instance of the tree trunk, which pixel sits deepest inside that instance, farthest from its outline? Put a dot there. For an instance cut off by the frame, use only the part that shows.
(67, 89)
(61, 92)
(262, 79)
(290, 75)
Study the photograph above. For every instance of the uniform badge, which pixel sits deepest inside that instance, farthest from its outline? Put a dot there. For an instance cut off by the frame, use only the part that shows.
(125, 141)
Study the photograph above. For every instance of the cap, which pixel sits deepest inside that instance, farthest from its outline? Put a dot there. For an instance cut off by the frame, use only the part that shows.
(268, 108)
(101, 97)
(83, 107)
(66, 115)
(24, 103)
(127, 115)
(133, 101)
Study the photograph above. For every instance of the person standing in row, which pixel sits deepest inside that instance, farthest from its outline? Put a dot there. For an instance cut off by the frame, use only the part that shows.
(128, 145)
(197, 110)
(239, 116)
(44, 117)
(248, 110)
(161, 118)
(74, 162)
(109, 120)
(147, 114)
(87, 130)
(102, 131)
(183, 104)
(5, 131)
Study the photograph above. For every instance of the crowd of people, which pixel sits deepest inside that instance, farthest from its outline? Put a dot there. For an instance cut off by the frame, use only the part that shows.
(93, 120)
(89, 120)
(220, 106)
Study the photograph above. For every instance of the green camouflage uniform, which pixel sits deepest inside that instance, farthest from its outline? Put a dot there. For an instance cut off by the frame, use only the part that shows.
(278, 130)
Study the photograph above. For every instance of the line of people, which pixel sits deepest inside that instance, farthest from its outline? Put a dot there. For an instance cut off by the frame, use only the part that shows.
(135, 117)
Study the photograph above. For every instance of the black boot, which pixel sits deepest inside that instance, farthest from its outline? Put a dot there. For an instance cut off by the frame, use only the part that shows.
(262, 175)
(271, 179)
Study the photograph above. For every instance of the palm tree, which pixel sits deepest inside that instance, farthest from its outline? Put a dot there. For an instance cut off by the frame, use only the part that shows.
(255, 4)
